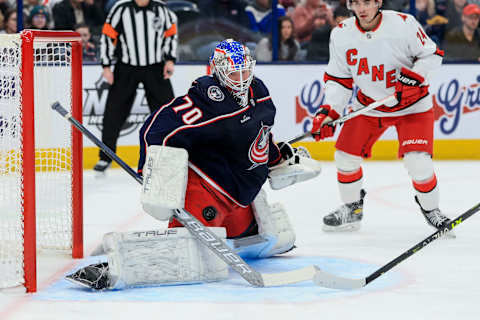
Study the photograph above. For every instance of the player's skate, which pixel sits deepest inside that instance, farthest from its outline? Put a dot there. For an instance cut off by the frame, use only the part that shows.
(101, 167)
(436, 219)
(94, 276)
(345, 218)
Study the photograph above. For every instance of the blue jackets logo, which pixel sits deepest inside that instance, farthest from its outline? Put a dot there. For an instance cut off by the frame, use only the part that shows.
(258, 153)
(215, 93)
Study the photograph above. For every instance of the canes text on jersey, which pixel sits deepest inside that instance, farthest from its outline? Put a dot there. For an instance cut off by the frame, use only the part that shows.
(378, 72)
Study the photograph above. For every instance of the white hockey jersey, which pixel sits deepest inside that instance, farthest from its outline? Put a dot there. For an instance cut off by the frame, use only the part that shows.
(372, 59)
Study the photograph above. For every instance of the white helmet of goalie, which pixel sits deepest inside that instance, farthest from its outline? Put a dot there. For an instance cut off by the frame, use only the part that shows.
(232, 64)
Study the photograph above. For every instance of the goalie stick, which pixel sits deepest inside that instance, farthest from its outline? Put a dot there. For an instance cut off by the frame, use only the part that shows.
(217, 246)
(387, 100)
(201, 233)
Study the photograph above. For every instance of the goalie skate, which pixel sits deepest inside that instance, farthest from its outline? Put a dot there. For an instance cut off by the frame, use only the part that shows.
(94, 276)
(346, 218)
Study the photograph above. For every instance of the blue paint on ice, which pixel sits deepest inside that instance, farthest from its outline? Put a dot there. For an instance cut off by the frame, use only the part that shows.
(236, 289)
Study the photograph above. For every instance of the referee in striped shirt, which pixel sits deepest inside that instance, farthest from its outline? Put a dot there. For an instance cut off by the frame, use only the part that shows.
(140, 36)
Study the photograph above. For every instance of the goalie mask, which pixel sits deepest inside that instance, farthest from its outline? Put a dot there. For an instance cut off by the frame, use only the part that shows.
(233, 65)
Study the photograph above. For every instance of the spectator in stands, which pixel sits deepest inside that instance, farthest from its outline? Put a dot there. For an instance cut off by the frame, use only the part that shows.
(311, 15)
(435, 28)
(231, 10)
(10, 22)
(289, 5)
(317, 49)
(454, 13)
(430, 17)
(38, 18)
(339, 14)
(425, 9)
(4, 7)
(69, 13)
(90, 49)
(28, 5)
(397, 5)
(463, 43)
(260, 15)
(288, 49)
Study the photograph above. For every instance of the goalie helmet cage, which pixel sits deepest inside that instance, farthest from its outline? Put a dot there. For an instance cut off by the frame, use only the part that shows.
(41, 196)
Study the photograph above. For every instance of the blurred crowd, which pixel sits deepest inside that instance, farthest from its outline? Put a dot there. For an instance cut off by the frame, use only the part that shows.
(303, 25)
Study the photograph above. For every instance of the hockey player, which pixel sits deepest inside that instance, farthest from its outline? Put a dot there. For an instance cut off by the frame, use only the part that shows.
(209, 151)
(383, 53)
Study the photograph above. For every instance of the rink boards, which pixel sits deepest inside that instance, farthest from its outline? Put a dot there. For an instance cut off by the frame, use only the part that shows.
(297, 90)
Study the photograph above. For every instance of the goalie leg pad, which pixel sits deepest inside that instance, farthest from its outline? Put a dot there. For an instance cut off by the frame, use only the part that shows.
(300, 167)
(164, 181)
(161, 257)
(273, 225)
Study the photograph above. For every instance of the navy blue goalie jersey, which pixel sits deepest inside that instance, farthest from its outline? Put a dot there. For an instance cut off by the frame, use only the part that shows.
(229, 146)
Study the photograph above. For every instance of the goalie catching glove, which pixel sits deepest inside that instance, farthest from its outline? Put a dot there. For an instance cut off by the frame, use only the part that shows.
(297, 166)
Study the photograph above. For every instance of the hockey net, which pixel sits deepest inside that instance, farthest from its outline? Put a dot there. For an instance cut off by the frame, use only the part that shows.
(40, 154)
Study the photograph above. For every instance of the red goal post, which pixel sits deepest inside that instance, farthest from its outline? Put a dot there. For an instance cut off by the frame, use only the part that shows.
(41, 193)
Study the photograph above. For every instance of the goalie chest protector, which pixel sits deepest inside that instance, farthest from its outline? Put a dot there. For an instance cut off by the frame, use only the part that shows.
(228, 145)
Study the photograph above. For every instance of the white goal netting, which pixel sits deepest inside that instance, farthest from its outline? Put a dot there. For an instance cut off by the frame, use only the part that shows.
(53, 142)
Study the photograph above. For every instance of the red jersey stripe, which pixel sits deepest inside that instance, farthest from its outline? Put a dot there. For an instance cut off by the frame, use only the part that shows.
(346, 82)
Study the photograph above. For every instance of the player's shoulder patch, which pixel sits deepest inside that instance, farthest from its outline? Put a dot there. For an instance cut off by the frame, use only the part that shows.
(215, 93)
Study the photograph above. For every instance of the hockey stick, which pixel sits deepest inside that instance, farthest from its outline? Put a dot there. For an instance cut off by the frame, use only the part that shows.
(201, 233)
(387, 100)
(217, 246)
(326, 280)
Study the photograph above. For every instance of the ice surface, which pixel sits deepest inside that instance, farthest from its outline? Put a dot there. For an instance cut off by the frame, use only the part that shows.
(440, 282)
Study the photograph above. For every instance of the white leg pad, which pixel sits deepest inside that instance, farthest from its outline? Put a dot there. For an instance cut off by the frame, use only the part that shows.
(164, 180)
(273, 225)
(160, 257)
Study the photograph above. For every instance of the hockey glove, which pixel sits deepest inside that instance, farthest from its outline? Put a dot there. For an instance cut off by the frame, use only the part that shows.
(408, 88)
(297, 166)
(321, 129)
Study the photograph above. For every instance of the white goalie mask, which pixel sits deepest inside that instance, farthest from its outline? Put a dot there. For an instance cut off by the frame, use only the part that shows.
(232, 64)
